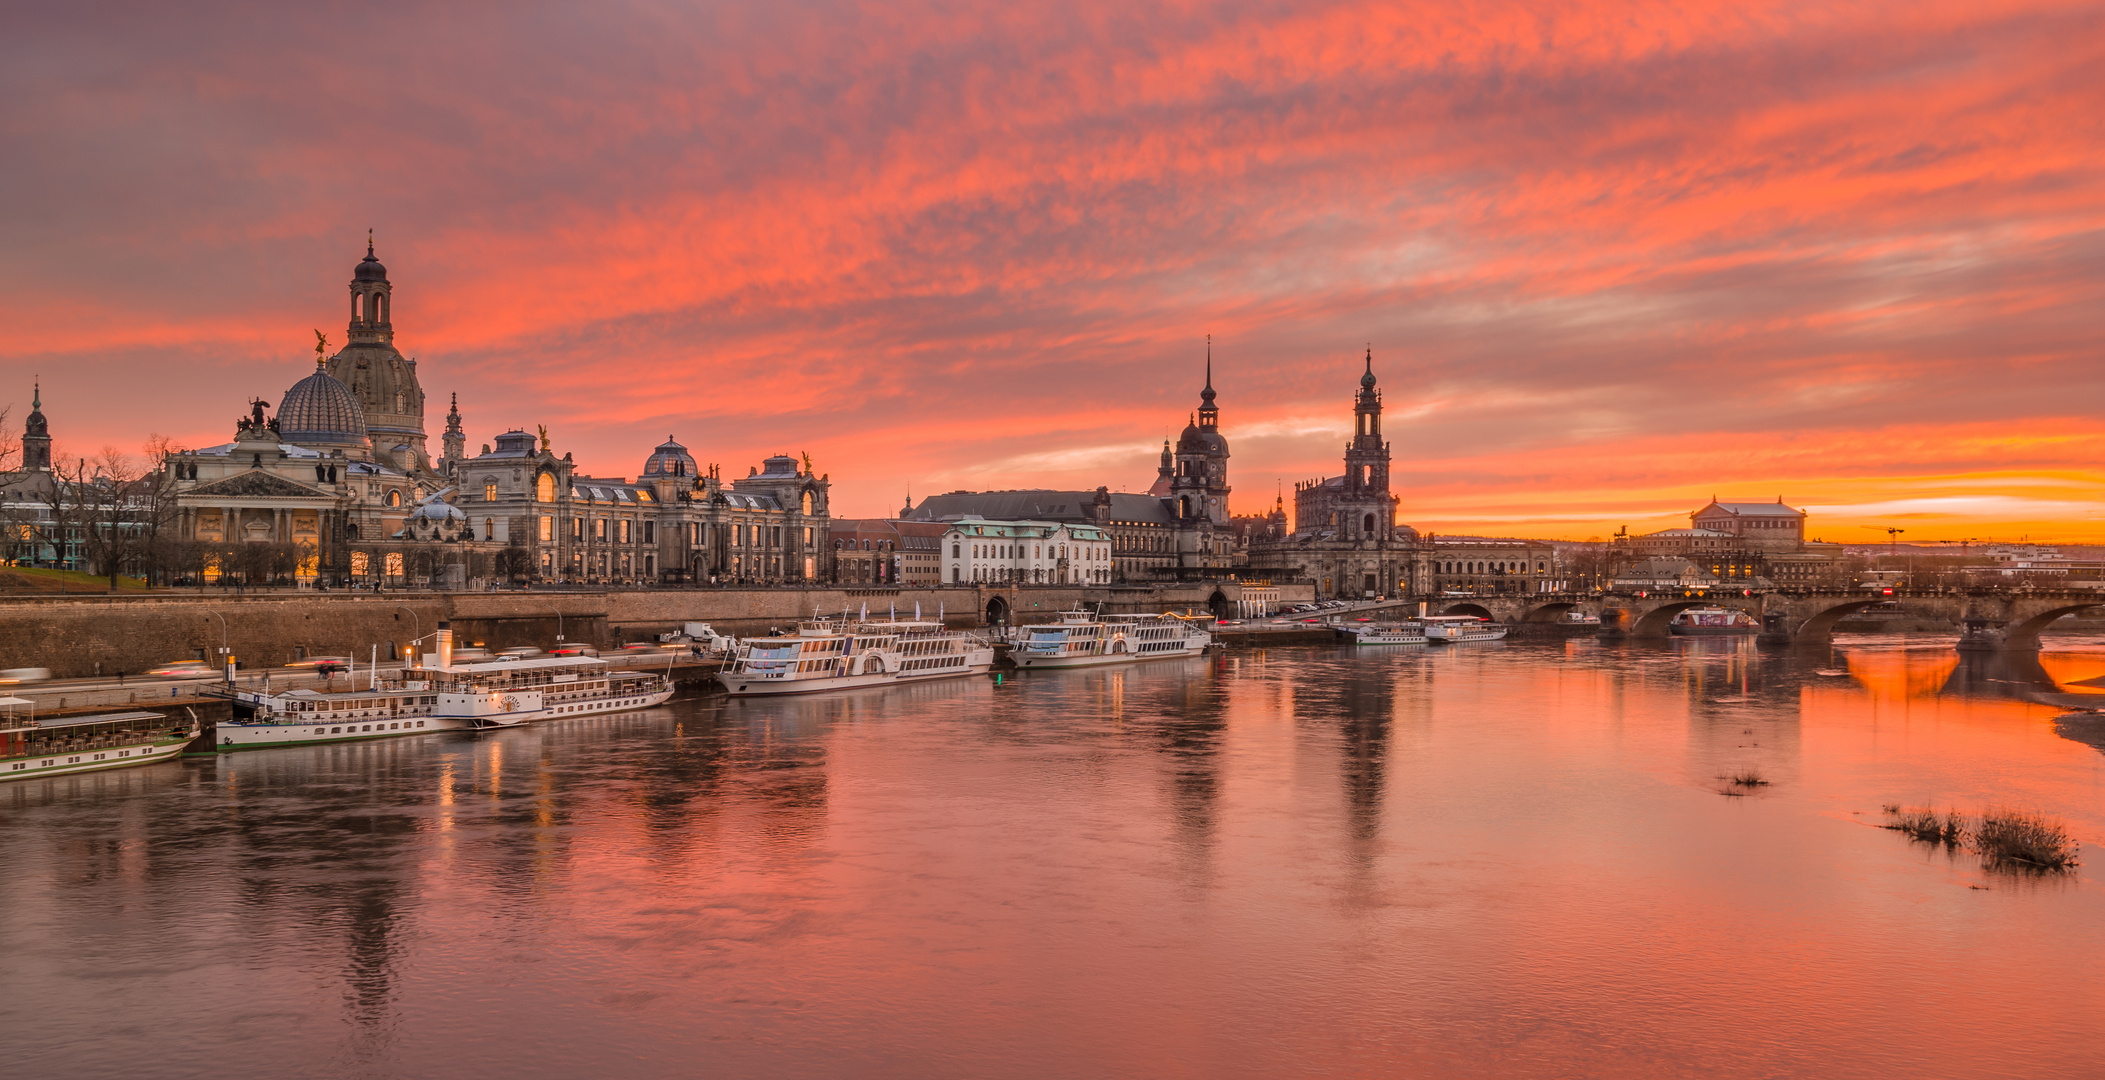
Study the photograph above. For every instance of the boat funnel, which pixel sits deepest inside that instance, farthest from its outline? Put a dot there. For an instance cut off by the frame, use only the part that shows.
(444, 641)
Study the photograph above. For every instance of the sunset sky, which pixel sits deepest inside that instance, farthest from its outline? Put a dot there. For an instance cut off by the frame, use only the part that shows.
(1611, 259)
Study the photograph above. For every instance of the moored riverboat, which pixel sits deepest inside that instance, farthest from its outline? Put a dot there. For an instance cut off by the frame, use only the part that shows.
(1078, 640)
(1402, 633)
(56, 746)
(835, 654)
(1712, 622)
(560, 686)
(1460, 629)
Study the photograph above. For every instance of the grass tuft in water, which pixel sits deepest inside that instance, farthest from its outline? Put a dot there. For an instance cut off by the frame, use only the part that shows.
(2025, 839)
(1926, 825)
(1748, 778)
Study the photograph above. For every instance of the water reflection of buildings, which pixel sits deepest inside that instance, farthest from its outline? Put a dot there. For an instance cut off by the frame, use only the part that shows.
(1745, 710)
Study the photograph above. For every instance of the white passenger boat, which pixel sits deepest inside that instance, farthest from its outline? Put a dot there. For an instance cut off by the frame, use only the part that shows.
(440, 695)
(389, 710)
(1403, 633)
(55, 746)
(834, 654)
(1456, 629)
(561, 686)
(1078, 640)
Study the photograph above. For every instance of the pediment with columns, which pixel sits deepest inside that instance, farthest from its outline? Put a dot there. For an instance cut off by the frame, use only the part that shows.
(256, 484)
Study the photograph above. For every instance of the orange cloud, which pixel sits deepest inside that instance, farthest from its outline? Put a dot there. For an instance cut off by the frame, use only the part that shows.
(1611, 258)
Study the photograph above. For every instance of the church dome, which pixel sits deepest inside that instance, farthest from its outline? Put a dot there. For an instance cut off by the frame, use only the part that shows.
(670, 459)
(369, 268)
(437, 510)
(319, 410)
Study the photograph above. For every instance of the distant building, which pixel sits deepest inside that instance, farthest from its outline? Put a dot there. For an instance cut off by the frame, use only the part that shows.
(1492, 566)
(1758, 542)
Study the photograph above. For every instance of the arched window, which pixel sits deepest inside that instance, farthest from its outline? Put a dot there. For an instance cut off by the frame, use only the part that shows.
(489, 528)
(807, 502)
(544, 488)
(394, 498)
(1368, 524)
(956, 550)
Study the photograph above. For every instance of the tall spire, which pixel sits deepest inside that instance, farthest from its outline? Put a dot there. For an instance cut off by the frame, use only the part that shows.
(1367, 380)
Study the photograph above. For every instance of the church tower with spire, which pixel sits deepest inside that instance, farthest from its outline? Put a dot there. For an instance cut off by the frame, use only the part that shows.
(455, 440)
(1367, 456)
(1200, 484)
(36, 435)
(383, 379)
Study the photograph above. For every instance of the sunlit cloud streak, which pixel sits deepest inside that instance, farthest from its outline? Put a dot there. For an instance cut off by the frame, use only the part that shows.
(1609, 259)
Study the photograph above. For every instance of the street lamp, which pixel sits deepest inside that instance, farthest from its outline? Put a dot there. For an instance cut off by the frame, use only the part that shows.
(222, 643)
(416, 625)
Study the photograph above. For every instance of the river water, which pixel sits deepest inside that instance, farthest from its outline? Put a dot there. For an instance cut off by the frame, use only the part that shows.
(1501, 860)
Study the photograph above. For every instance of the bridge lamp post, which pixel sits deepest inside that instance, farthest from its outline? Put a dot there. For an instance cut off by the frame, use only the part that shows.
(222, 643)
(416, 626)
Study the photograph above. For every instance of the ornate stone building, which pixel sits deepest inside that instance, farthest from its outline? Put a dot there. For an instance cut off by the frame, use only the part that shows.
(341, 474)
(1345, 537)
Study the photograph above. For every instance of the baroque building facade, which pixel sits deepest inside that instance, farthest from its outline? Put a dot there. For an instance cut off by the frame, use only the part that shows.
(342, 473)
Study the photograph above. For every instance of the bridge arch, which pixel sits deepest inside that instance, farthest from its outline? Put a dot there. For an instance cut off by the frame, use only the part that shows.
(1477, 610)
(1653, 623)
(1220, 605)
(1550, 612)
(997, 611)
(2025, 634)
(1820, 626)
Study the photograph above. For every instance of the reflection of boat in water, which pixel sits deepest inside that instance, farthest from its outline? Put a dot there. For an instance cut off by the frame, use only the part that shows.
(1712, 622)
(1080, 641)
(78, 744)
(1579, 618)
(832, 654)
(1456, 629)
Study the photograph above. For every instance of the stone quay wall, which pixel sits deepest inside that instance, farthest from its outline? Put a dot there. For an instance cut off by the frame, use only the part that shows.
(86, 636)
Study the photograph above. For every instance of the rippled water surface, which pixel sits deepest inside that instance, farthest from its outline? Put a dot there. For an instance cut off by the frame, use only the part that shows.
(1507, 860)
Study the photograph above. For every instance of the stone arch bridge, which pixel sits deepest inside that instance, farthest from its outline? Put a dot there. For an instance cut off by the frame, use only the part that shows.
(1998, 619)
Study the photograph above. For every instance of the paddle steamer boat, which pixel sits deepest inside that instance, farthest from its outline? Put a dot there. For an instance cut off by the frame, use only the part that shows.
(1078, 640)
(835, 654)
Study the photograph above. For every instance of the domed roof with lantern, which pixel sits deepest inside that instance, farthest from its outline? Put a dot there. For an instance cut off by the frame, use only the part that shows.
(670, 459)
(321, 411)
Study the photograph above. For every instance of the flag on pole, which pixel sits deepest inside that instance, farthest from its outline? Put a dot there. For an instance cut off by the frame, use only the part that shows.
(866, 611)
(917, 611)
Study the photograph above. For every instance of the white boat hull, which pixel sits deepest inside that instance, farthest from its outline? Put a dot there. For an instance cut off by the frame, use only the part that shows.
(31, 768)
(749, 686)
(1390, 639)
(1078, 660)
(1460, 637)
(558, 709)
(257, 735)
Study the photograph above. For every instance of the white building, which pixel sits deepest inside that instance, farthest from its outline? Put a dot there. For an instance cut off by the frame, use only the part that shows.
(1025, 552)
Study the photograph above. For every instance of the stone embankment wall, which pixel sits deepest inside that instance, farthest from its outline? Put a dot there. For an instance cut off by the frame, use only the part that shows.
(79, 637)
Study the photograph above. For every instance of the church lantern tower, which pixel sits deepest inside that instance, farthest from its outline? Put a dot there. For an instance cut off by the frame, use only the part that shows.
(1367, 463)
(383, 379)
(36, 435)
(455, 440)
